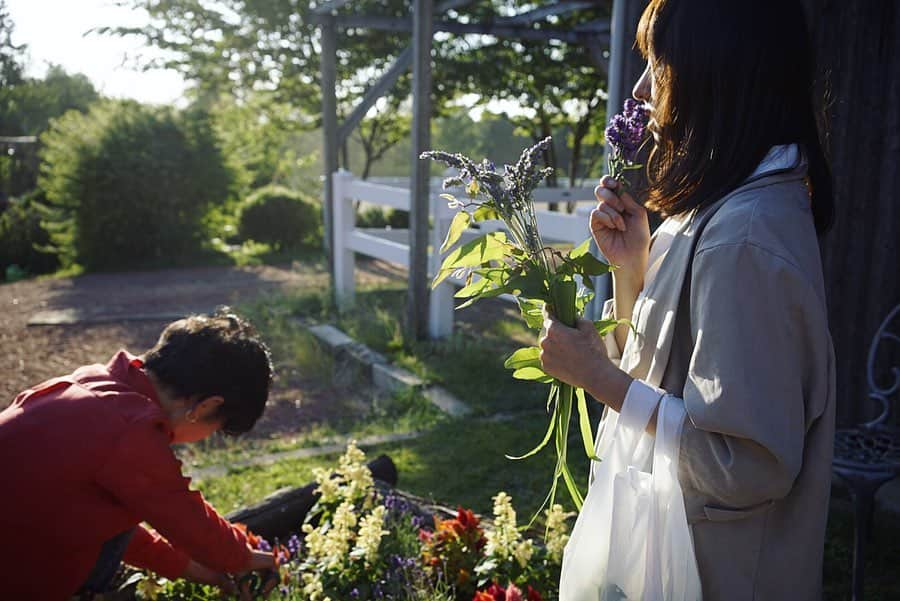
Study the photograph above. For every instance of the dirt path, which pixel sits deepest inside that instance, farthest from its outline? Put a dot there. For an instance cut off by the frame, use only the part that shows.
(104, 303)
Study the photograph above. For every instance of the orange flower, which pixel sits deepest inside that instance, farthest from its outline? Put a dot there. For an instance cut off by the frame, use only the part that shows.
(252, 539)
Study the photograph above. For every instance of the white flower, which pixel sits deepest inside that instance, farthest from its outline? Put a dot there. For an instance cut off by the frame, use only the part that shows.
(370, 532)
(557, 531)
(522, 551)
(503, 539)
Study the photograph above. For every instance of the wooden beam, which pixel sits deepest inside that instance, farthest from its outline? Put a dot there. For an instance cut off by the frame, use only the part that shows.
(539, 14)
(417, 298)
(329, 8)
(400, 24)
(376, 91)
(328, 67)
(387, 79)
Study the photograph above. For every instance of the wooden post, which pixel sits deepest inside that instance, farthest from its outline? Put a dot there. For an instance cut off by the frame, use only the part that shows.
(625, 67)
(417, 292)
(328, 64)
(344, 218)
(440, 317)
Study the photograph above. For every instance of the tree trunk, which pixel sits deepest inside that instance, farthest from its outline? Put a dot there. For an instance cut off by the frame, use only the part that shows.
(857, 45)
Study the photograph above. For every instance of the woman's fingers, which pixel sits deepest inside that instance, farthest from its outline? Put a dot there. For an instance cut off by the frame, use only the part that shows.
(606, 195)
(608, 217)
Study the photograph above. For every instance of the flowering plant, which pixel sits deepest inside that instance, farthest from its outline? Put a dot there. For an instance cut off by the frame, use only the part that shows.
(363, 543)
(539, 276)
(625, 135)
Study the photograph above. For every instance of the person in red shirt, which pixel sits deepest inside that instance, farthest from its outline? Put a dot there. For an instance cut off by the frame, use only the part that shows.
(86, 461)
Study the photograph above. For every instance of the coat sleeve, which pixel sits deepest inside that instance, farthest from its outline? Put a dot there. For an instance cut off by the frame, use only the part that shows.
(150, 551)
(757, 327)
(144, 475)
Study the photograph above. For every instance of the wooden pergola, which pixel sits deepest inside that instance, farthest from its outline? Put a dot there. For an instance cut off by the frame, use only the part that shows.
(620, 66)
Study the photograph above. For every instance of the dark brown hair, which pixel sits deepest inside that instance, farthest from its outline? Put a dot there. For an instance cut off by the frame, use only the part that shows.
(215, 355)
(731, 80)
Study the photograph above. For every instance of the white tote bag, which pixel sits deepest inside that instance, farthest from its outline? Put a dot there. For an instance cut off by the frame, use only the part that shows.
(632, 540)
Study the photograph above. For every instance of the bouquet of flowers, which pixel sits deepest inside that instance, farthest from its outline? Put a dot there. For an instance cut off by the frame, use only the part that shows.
(539, 276)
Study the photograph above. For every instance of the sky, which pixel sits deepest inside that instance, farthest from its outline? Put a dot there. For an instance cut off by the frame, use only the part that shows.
(54, 31)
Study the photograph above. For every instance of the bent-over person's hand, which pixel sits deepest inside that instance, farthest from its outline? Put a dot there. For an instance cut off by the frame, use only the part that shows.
(261, 577)
(199, 573)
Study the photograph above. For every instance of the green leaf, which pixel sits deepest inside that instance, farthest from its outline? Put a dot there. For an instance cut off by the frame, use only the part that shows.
(587, 437)
(474, 289)
(485, 213)
(588, 264)
(532, 312)
(580, 250)
(535, 374)
(605, 326)
(448, 197)
(490, 247)
(524, 357)
(459, 224)
(543, 443)
(530, 284)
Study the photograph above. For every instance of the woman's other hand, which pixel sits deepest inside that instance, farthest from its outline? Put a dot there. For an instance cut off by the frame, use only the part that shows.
(621, 229)
(578, 357)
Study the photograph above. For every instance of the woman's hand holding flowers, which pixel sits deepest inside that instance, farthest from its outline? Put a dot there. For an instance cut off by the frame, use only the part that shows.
(621, 229)
(578, 357)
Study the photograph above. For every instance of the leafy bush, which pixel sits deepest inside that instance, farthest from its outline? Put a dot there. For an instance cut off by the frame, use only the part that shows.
(280, 217)
(22, 239)
(129, 184)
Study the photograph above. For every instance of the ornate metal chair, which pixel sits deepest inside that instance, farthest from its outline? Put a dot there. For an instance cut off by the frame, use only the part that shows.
(868, 455)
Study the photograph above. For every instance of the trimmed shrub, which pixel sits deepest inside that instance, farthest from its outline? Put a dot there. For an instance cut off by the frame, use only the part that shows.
(280, 217)
(129, 185)
(23, 240)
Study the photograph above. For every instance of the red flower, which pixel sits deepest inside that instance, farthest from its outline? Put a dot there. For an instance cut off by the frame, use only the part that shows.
(513, 593)
(533, 595)
(483, 596)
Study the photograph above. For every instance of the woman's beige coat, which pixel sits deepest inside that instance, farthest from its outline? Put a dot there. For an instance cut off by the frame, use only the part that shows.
(735, 323)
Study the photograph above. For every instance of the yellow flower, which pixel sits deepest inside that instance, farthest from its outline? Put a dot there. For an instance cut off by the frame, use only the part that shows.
(503, 539)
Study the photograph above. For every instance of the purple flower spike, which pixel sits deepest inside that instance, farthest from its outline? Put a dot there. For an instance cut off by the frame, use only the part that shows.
(626, 130)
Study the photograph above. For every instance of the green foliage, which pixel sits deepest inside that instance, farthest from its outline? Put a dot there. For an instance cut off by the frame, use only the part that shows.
(23, 240)
(280, 217)
(128, 185)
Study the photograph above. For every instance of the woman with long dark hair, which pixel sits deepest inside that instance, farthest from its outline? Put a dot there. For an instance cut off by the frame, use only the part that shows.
(727, 298)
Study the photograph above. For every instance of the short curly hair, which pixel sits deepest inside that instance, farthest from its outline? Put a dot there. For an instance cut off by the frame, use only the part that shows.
(215, 355)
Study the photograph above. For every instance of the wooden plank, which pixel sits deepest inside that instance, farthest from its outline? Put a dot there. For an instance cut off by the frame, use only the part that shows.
(495, 29)
(378, 247)
(379, 194)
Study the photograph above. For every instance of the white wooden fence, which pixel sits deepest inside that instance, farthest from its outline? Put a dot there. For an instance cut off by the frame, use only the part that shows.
(393, 246)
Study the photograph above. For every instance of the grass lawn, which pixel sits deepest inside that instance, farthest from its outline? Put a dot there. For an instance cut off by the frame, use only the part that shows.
(462, 461)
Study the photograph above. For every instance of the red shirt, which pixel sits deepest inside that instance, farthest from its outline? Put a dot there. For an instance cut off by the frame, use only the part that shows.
(85, 457)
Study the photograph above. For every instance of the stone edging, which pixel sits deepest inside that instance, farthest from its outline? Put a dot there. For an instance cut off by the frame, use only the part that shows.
(360, 360)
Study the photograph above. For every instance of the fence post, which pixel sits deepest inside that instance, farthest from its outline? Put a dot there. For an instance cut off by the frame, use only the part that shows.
(440, 310)
(344, 220)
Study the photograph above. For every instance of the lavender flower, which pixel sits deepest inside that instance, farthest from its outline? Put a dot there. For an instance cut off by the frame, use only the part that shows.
(626, 133)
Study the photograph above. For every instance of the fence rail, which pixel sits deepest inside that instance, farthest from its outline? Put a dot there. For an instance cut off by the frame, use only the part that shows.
(350, 240)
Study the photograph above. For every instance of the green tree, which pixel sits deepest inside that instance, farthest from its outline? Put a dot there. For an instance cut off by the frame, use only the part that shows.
(128, 185)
